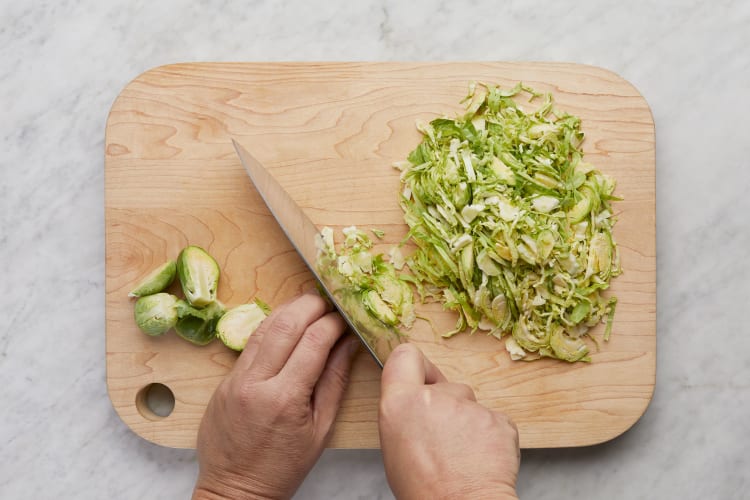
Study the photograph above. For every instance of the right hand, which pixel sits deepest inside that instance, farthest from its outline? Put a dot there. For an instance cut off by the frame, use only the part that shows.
(437, 441)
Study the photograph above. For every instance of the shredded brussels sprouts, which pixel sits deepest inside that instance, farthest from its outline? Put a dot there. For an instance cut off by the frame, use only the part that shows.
(354, 270)
(513, 229)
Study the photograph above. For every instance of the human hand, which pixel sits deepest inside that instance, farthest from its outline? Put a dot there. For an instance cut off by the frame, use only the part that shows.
(268, 421)
(437, 441)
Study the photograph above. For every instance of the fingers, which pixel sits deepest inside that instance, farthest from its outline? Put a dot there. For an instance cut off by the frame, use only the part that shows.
(307, 361)
(280, 333)
(332, 384)
(251, 349)
(407, 364)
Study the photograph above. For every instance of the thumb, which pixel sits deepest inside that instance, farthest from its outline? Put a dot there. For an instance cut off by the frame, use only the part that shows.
(407, 365)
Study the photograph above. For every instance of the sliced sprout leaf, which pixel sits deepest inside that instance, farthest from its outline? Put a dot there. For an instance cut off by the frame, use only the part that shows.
(610, 317)
(568, 348)
(512, 228)
(579, 312)
(378, 307)
(516, 351)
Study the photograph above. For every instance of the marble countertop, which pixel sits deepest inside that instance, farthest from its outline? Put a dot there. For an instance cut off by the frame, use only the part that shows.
(63, 63)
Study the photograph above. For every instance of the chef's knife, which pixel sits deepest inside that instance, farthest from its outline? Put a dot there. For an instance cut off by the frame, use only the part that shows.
(302, 233)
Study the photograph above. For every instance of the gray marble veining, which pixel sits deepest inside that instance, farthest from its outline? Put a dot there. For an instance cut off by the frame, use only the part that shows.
(63, 63)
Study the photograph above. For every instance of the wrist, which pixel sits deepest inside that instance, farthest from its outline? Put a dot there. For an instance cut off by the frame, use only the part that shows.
(206, 489)
(489, 490)
(201, 493)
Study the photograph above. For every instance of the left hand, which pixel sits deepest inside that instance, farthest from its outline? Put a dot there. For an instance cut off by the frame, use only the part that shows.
(268, 421)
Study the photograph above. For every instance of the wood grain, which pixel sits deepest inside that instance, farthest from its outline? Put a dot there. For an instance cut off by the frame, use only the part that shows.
(330, 131)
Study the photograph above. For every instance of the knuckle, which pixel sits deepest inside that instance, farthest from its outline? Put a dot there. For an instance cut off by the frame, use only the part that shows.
(316, 339)
(245, 391)
(261, 366)
(286, 407)
(317, 300)
(279, 402)
(283, 326)
(254, 341)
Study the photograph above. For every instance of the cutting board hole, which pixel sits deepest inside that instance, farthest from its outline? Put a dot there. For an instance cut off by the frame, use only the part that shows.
(155, 401)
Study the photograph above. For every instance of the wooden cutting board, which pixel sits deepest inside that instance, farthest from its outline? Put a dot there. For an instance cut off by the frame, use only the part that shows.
(329, 132)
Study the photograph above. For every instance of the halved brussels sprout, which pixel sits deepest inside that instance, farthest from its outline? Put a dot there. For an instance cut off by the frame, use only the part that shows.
(156, 314)
(199, 275)
(155, 281)
(238, 324)
(198, 325)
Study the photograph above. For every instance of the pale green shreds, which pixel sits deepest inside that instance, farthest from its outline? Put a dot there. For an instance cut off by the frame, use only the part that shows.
(371, 279)
(513, 229)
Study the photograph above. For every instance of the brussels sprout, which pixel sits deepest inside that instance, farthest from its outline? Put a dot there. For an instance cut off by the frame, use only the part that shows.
(238, 324)
(198, 325)
(199, 276)
(156, 281)
(155, 314)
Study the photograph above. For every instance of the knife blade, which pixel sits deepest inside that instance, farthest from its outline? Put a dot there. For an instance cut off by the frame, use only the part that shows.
(302, 233)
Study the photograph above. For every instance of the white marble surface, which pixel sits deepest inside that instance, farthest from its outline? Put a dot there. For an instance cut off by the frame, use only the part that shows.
(63, 62)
